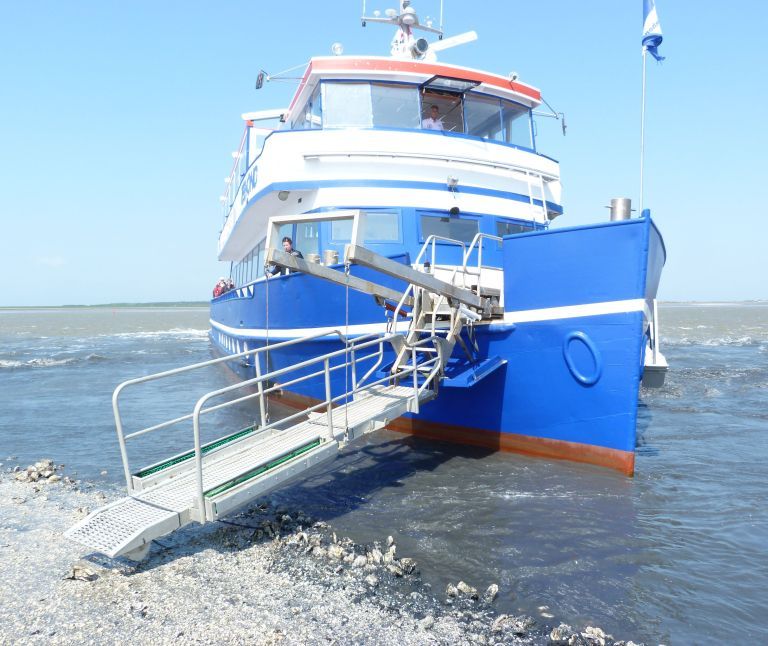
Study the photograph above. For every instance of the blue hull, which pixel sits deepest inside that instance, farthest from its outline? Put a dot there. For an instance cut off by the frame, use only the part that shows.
(566, 360)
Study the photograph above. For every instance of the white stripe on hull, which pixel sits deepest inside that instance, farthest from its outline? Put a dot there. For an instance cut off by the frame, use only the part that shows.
(510, 318)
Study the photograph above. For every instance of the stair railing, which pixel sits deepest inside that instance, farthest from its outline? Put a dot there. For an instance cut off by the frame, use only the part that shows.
(477, 242)
(327, 404)
(123, 438)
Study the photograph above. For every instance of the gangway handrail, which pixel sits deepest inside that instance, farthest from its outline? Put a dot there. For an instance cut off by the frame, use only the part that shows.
(478, 236)
(431, 239)
(327, 402)
(122, 437)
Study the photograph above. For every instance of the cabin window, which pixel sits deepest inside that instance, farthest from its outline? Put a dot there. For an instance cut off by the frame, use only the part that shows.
(378, 226)
(508, 228)
(347, 105)
(483, 117)
(395, 106)
(316, 109)
(449, 109)
(259, 272)
(455, 228)
(505, 228)
(307, 238)
(365, 105)
(517, 124)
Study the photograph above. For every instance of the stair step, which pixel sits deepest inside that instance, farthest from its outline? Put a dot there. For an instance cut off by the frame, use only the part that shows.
(474, 374)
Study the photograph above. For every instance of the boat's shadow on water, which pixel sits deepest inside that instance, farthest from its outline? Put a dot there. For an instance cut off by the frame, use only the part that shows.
(324, 493)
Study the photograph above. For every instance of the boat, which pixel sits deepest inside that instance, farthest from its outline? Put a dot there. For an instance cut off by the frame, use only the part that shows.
(394, 264)
(556, 370)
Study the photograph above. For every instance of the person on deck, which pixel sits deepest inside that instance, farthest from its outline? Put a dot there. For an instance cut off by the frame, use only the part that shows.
(434, 121)
(288, 248)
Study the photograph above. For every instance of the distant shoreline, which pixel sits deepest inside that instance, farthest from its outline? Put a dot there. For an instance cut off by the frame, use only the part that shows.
(107, 305)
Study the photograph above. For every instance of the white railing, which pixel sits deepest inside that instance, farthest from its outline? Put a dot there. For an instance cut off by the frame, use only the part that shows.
(123, 437)
(350, 353)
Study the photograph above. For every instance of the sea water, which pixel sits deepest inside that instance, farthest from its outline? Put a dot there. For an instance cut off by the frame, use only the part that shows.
(676, 554)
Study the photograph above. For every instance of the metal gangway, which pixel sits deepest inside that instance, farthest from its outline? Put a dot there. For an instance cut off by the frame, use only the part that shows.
(213, 479)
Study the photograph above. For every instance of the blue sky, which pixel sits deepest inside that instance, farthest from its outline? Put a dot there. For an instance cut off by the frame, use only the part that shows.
(117, 121)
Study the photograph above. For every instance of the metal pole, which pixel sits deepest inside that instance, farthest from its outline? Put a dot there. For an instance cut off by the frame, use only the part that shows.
(199, 460)
(642, 134)
(415, 382)
(262, 406)
(121, 439)
(329, 408)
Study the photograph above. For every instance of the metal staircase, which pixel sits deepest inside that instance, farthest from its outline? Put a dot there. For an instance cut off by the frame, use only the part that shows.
(213, 479)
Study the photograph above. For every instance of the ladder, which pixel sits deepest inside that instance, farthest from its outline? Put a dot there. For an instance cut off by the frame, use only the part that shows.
(211, 480)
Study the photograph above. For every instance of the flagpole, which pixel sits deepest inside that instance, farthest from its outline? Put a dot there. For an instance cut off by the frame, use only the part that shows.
(642, 134)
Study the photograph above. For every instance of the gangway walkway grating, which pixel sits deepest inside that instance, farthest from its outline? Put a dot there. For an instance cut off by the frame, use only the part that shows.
(127, 525)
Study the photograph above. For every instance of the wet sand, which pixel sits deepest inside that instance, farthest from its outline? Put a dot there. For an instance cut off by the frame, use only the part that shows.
(266, 576)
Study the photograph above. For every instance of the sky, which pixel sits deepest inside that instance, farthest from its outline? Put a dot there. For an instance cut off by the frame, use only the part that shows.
(118, 119)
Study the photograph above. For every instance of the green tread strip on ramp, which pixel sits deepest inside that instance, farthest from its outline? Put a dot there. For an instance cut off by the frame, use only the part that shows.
(262, 469)
(190, 454)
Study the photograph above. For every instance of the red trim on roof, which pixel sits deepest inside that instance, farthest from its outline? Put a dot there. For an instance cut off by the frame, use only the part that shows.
(301, 86)
(417, 67)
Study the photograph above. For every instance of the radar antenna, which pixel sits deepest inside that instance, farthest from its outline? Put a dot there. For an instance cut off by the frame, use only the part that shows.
(405, 43)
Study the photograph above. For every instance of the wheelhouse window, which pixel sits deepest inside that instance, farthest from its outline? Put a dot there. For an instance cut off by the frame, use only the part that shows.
(378, 226)
(517, 124)
(456, 228)
(442, 104)
(449, 114)
(483, 117)
(365, 105)
(394, 106)
(311, 115)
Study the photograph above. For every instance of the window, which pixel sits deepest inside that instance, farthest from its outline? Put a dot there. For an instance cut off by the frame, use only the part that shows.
(517, 124)
(463, 229)
(307, 238)
(378, 226)
(482, 116)
(508, 228)
(363, 105)
(347, 105)
(260, 259)
(301, 120)
(316, 109)
(395, 106)
(448, 107)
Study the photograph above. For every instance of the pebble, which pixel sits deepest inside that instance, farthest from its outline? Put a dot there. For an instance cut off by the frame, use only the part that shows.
(451, 591)
(372, 580)
(427, 622)
(408, 565)
(395, 569)
(560, 635)
(467, 589)
(491, 593)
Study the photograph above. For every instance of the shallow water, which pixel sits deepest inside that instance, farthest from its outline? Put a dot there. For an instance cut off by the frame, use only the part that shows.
(675, 554)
